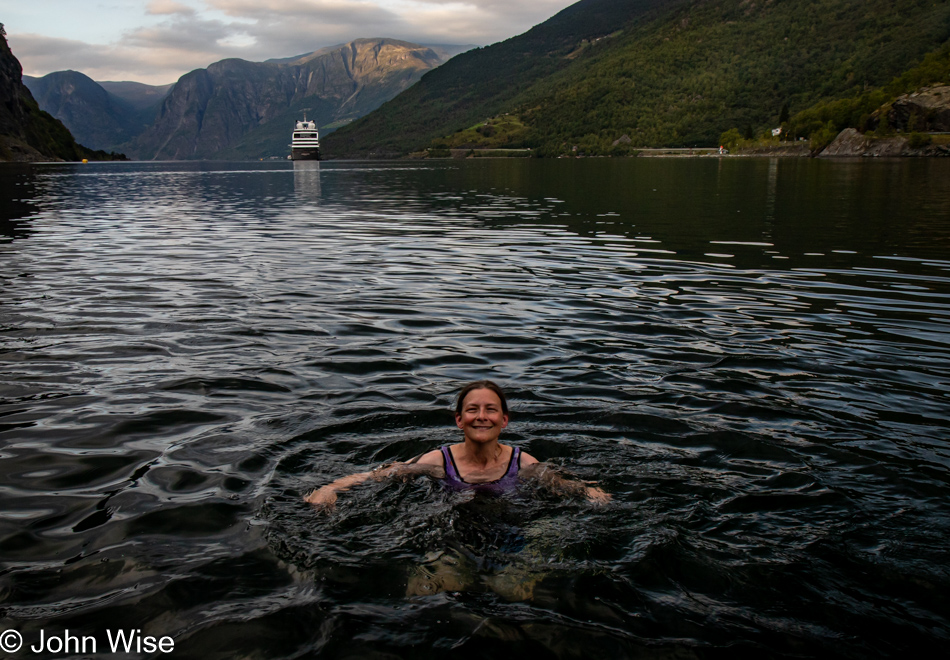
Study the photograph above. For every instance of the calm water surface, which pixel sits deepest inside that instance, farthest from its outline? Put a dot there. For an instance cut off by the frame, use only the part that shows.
(752, 356)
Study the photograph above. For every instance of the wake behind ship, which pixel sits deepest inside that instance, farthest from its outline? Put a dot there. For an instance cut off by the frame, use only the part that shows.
(306, 141)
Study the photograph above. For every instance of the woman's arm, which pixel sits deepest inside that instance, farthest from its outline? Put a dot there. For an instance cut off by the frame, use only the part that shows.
(325, 497)
(546, 474)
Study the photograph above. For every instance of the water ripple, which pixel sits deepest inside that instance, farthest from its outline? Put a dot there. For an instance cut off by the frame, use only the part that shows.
(188, 348)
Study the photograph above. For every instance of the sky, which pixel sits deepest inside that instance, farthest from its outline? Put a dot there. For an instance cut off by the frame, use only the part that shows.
(157, 41)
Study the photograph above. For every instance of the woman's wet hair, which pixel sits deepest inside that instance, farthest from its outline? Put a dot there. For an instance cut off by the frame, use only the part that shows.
(481, 385)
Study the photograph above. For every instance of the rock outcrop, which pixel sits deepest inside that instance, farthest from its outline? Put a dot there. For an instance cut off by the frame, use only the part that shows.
(236, 109)
(927, 109)
(850, 143)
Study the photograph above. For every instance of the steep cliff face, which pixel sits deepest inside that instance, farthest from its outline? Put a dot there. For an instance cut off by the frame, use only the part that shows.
(249, 106)
(176, 130)
(96, 118)
(26, 132)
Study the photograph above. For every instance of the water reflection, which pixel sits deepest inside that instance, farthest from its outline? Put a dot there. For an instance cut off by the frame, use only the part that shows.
(307, 180)
(17, 195)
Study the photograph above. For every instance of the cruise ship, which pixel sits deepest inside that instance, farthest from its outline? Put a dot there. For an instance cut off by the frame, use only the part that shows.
(306, 141)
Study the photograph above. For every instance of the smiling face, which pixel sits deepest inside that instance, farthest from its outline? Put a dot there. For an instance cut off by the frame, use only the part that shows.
(482, 417)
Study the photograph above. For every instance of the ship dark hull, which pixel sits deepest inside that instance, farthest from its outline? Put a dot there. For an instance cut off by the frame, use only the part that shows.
(308, 153)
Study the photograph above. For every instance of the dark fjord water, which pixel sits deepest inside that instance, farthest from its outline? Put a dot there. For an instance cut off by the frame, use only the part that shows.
(750, 355)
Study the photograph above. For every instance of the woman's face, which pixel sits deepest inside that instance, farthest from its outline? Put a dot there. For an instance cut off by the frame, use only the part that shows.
(482, 417)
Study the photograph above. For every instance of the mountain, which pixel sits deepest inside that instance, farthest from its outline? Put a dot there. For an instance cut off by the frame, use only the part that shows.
(240, 109)
(444, 51)
(673, 73)
(484, 82)
(26, 132)
(138, 95)
(98, 118)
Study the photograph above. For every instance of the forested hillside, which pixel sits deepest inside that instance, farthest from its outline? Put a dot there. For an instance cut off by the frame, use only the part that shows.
(664, 74)
(873, 109)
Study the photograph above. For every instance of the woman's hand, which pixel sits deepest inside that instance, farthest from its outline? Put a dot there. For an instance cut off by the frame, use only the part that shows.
(322, 498)
(547, 475)
(596, 495)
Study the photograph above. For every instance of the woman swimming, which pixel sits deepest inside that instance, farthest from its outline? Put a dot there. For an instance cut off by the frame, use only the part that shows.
(479, 462)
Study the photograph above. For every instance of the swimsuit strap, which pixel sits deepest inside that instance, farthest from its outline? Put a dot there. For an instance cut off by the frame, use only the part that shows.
(451, 474)
(515, 463)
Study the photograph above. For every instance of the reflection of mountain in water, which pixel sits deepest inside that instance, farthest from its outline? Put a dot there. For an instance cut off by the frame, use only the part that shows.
(16, 191)
(307, 179)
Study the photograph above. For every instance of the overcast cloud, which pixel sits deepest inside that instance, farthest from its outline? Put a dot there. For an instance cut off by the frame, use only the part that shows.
(173, 37)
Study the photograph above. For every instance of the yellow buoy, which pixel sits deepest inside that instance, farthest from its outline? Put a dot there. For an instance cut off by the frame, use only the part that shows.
(85, 160)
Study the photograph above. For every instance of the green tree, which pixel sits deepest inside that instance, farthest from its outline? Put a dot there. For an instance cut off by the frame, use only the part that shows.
(918, 140)
(883, 126)
(783, 115)
(730, 139)
(823, 136)
(912, 122)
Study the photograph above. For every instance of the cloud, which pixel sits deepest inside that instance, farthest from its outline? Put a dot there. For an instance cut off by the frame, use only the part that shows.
(153, 55)
(184, 38)
(168, 7)
(38, 53)
(155, 66)
(298, 22)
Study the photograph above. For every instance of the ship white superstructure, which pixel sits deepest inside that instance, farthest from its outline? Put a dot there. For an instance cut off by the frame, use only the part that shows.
(306, 141)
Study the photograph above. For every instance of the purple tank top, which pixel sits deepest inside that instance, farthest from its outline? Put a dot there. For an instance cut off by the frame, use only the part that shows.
(506, 482)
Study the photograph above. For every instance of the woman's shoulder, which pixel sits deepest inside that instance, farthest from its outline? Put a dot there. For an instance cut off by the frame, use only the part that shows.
(433, 457)
(527, 459)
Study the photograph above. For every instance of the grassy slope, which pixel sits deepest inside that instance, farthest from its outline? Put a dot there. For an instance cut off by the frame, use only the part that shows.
(675, 78)
(503, 132)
